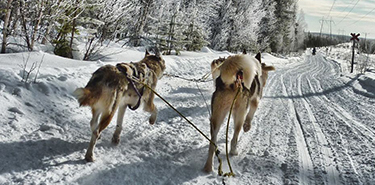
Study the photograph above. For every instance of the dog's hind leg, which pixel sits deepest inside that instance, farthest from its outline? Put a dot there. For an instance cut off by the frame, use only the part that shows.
(249, 117)
(120, 118)
(105, 119)
(219, 112)
(94, 120)
(238, 118)
(104, 122)
(150, 107)
(215, 127)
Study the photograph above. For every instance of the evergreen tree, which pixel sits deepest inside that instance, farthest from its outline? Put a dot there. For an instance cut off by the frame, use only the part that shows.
(300, 32)
(142, 10)
(194, 35)
(234, 25)
(280, 41)
(170, 36)
(266, 26)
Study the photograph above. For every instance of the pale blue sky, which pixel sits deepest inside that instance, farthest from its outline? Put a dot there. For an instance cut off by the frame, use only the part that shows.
(348, 16)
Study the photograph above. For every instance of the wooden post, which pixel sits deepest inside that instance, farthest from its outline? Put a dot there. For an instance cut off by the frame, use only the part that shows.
(354, 38)
(351, 70)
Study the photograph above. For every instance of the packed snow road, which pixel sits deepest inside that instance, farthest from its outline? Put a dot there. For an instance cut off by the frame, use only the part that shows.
(311, 127)
(314, 127)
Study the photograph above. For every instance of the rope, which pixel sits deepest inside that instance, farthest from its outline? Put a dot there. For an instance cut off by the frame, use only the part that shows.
(204, 99)
(231, 173)
(203, 79)
(217, 151)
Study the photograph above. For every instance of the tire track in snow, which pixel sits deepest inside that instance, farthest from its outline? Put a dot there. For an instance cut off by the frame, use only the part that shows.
(325, 153)
(345, 127)
(338, 109)
(306, 165)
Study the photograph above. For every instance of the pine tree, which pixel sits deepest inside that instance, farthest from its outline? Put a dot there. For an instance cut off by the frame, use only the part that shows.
(194, 35)
(300, 32)
(66, 29)
(143, 9)
(169, 34)
(280, 41)
(266, 26)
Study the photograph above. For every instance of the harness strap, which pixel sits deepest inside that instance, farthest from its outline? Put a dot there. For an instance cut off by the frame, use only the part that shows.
(123, 70)
(253, 87)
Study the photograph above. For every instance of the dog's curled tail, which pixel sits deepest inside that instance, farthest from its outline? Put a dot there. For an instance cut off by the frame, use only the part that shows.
(82, 95)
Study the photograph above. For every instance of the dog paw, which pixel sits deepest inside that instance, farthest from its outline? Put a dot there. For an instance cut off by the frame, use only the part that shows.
(207, 169)
(89, 158)
(115, 140)
(152, 120)
(246, 127)
(233, 152)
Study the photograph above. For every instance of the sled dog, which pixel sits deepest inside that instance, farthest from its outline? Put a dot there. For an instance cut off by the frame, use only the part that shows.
(111, 88)
(238, 71)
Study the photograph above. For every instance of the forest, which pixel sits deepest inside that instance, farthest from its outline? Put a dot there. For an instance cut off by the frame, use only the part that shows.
(171, 25)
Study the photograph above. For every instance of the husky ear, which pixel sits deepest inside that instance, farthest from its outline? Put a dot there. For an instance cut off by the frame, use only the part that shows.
(147, 53)
(258, 57)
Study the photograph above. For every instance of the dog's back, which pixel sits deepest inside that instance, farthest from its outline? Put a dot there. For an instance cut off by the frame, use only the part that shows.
(102, 86)
(249, 66)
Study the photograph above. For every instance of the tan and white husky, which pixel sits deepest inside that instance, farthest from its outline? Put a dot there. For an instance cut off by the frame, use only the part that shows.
(238, 71)
(111, 88)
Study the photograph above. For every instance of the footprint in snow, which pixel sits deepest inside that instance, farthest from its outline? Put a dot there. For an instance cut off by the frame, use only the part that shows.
(15, 110)
(62, 78)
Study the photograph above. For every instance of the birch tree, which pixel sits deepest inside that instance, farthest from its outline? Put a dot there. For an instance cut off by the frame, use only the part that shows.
(5, 27)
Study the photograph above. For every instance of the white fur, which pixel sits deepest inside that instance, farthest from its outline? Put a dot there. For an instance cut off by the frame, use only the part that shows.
(249, 65)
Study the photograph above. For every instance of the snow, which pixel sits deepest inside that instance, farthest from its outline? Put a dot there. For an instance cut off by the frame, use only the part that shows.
(314, 124)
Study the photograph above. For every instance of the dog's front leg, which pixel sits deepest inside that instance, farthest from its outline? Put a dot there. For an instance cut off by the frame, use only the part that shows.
(120, 118)
(249, 117)
(150, 107)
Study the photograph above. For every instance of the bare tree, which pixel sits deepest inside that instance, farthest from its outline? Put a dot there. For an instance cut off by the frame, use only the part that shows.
(37, 23)
(145, 9)
(6, 23)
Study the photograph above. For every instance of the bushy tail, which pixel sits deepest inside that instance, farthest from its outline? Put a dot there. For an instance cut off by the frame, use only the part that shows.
(82, 95)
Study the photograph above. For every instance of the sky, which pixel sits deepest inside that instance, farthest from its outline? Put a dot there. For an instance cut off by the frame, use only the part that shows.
(348, 16)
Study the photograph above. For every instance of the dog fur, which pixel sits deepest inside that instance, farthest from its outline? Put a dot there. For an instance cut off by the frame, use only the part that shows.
(109, 89)
(215, 67)
(236, 71)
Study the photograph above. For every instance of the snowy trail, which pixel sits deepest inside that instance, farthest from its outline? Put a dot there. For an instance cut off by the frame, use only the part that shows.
(317, 94)
(311, 127)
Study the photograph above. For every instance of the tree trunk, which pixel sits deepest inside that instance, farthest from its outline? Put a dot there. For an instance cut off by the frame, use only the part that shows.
(23, 21)
(142, 22)
(88, 50)
(73, 26)
(6, 30)
(36, 26)
(15, 21)
(50, 23)
(46, 34)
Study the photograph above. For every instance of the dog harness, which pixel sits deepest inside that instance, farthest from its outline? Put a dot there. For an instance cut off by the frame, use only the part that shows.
(131, 82)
